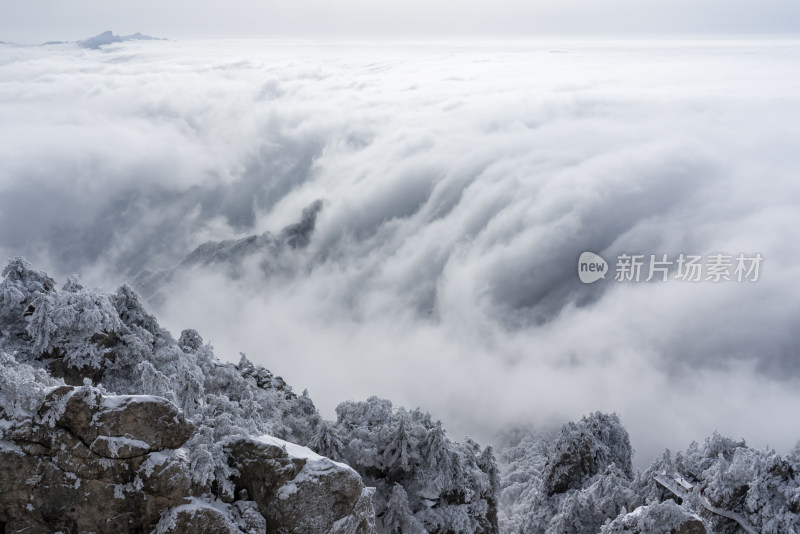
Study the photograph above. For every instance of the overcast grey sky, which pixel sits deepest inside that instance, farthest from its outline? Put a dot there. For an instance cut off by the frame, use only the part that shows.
(41, 20)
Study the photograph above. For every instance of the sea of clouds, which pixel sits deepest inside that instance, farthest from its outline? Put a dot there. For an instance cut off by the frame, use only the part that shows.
(460, 182)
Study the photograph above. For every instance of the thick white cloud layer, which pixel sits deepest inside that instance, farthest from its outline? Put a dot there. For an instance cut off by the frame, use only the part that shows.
(460, 182)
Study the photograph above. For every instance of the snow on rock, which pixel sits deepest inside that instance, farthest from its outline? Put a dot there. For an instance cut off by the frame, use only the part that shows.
(119, 426)
(314, 462)
(661, 518)
(119, 447)
(116, 402)
(7, 446)
(74, 463)
(297, 490)
(199, 517)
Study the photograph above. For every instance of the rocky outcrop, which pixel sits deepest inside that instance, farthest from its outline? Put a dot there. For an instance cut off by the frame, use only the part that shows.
(586, 448)
(150, 435)
(120, 426)
(200, 517)
(662, 518)
(89, 462)
(299, 491)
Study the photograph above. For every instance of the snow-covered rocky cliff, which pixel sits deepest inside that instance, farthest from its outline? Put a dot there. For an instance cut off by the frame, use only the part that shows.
(109, 424)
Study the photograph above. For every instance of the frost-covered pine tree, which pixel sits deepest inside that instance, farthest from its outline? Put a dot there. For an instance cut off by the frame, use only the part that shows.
(434, 447)
(328, 442)
(448, 485)
(112, 340)
(569, 482)
(75, 324)
(398, 517)
(21, 285)
(397, 451)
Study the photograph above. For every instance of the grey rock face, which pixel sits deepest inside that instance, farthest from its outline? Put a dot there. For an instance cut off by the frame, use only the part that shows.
(299, 491)
(196, 518)
(109, 464)
(121, 426)
(92, 463)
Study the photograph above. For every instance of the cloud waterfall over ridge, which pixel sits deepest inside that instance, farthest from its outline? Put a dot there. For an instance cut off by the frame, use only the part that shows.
(460, 183)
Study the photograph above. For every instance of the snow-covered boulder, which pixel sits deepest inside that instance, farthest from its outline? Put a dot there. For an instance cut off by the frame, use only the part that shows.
(90, 462)
(118, 426)
(86, 463)
(661, 518)
(298, 490)
(201, 517)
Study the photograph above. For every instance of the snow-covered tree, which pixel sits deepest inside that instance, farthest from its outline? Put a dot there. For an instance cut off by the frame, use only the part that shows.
(434, 447)
(190, 341)
(398, 518)
(78, 325)
(113, 340)
(397, 451)
(328, 442)
(21, 285)
(22, 389)
(448, 485)
(567, 482)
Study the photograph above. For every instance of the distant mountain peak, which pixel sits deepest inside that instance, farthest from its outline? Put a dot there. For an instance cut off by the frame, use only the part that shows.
(108, 37)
